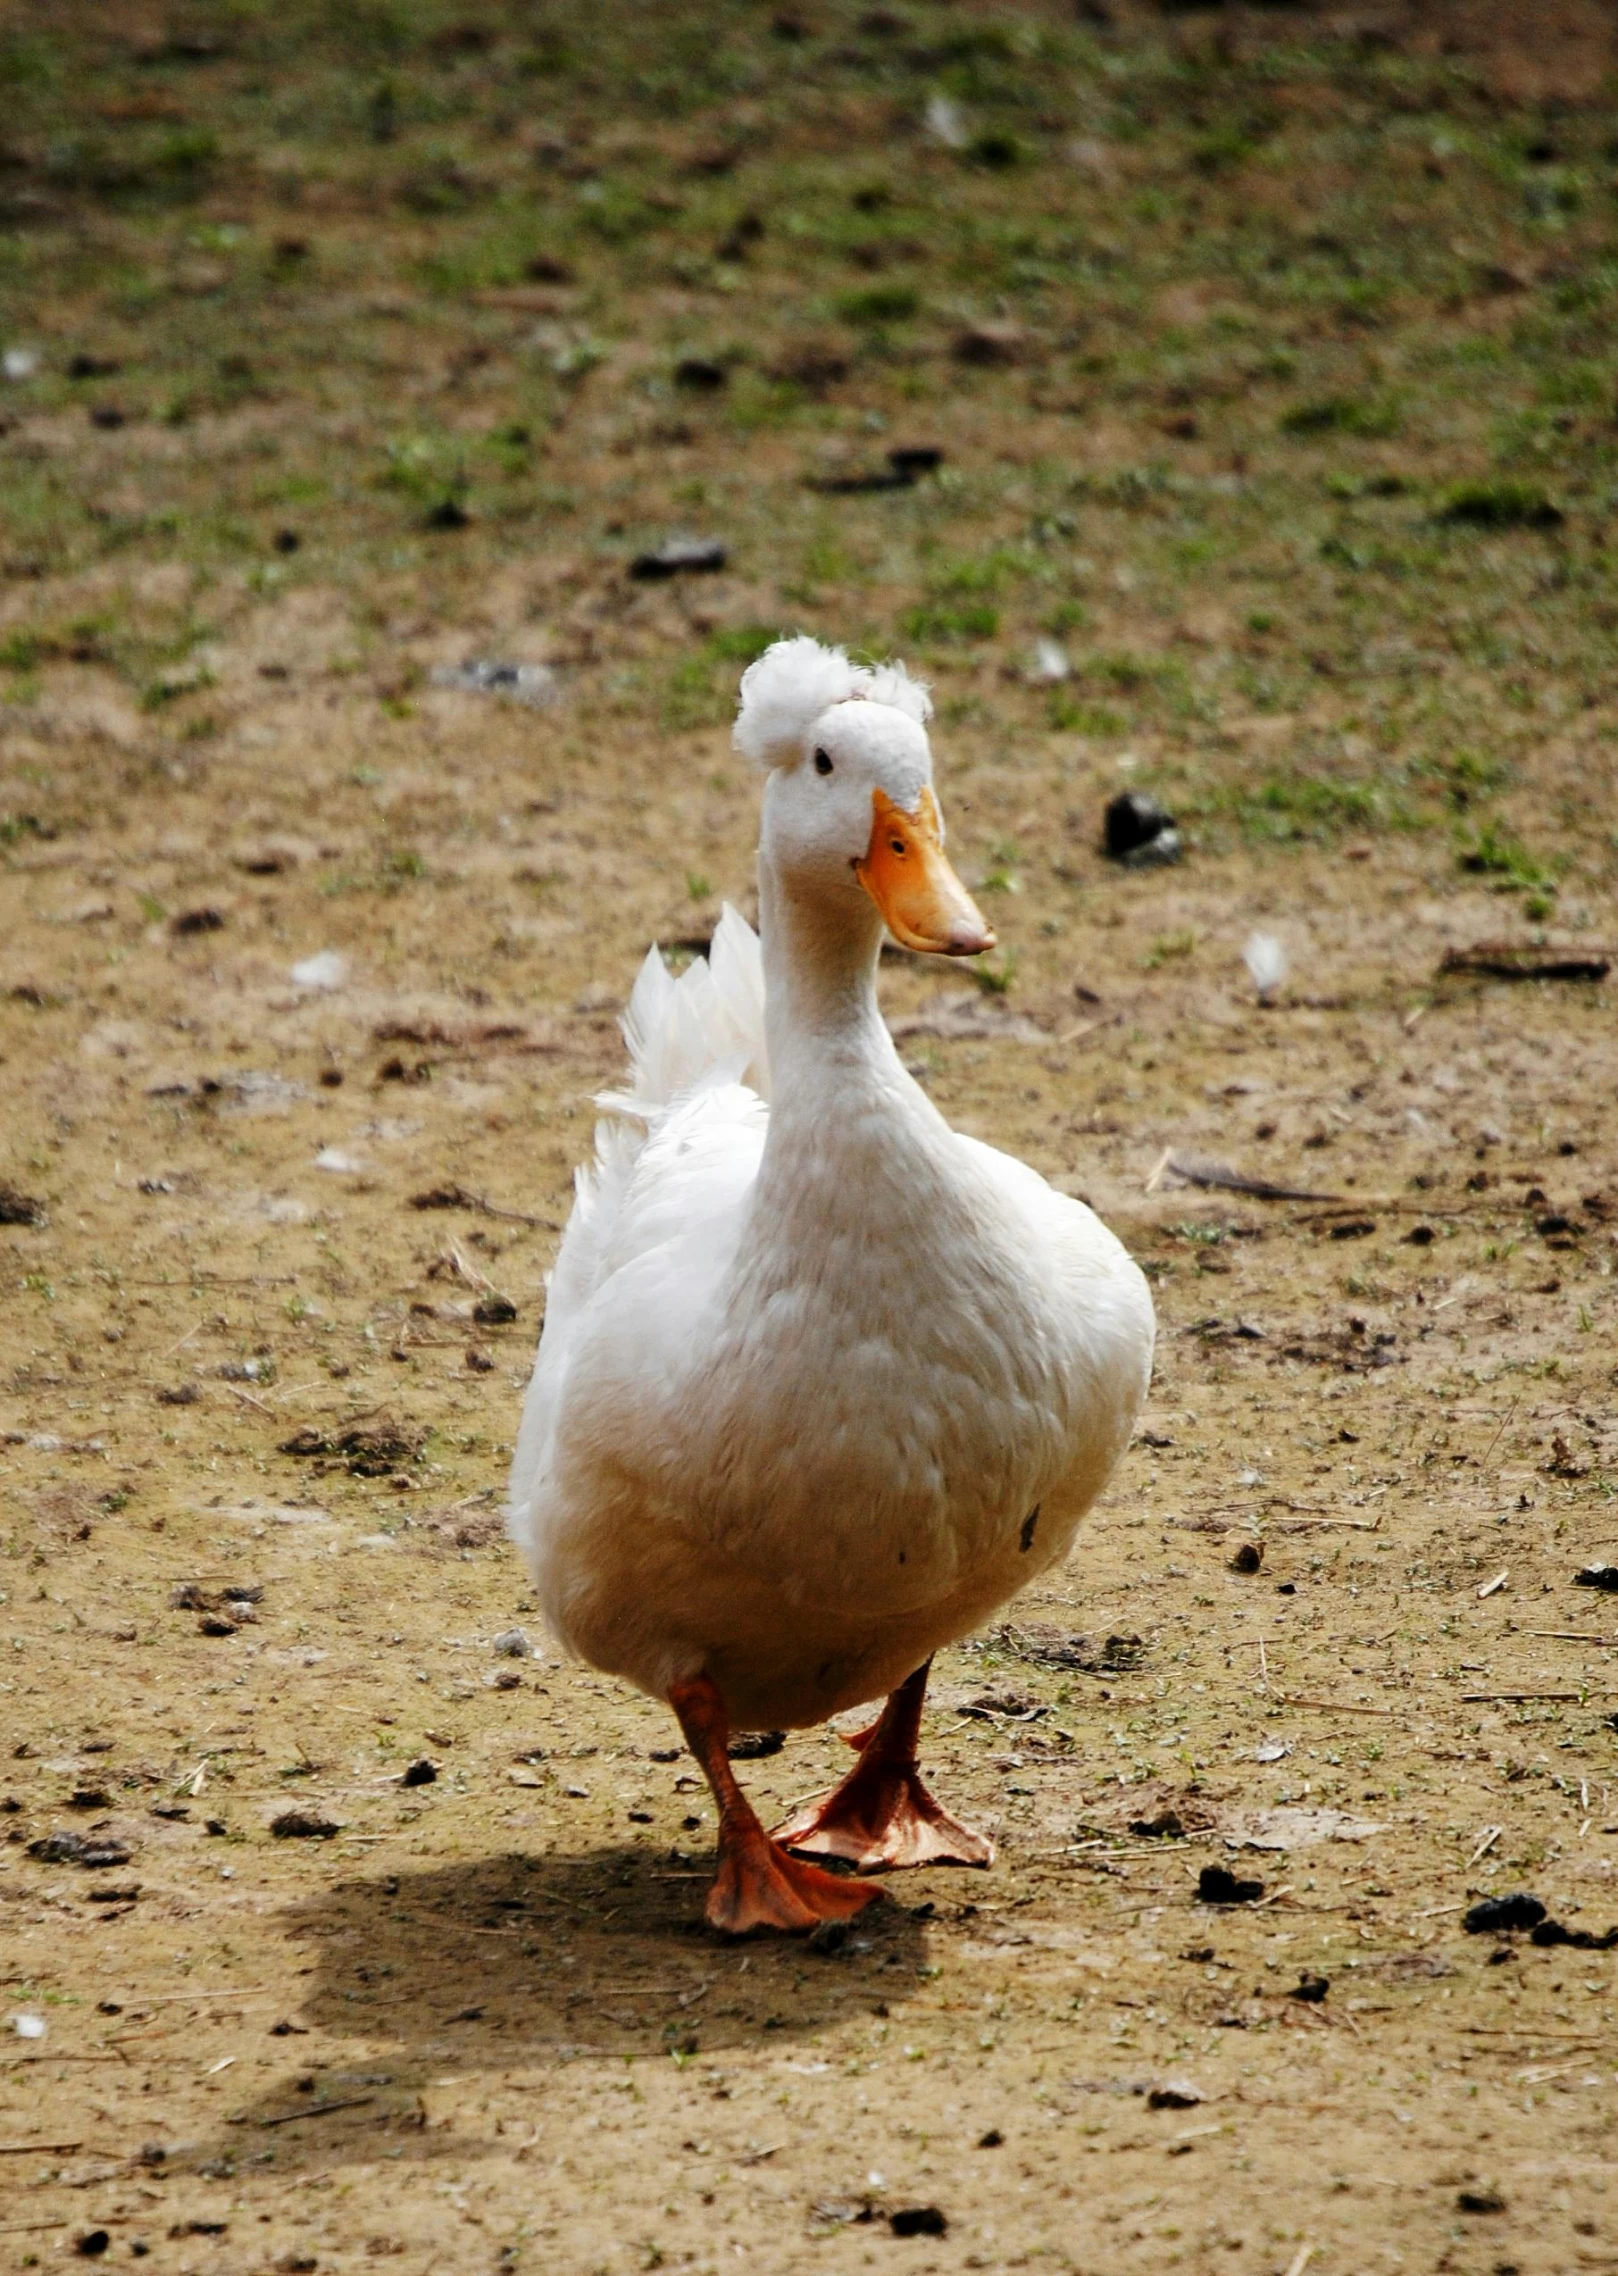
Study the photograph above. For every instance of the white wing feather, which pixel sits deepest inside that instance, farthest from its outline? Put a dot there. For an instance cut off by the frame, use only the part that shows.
(682, 1144)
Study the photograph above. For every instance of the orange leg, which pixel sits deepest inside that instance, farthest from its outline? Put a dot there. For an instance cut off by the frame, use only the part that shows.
(882, 1817)
(758, 1885)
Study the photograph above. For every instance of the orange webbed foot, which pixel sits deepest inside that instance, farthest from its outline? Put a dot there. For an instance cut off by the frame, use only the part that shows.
(882, 1819)
(760, 1886)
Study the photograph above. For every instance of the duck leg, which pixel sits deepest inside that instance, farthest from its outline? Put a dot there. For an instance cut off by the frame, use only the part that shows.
(882, 1817)
(758, 1885)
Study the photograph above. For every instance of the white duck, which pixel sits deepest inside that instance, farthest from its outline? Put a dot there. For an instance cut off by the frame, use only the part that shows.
(822, 1382)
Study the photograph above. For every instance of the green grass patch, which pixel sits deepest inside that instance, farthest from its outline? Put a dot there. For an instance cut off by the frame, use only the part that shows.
(1342, 415)
(1492, 851)
(701, 689)
(1289, 807)
(1073, 715)
(937, 624)
(879, 304)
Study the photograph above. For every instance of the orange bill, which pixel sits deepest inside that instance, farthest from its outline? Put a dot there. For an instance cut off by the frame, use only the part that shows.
(923, 903)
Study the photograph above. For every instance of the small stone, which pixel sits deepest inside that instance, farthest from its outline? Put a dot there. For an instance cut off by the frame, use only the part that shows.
(513, 1644)
(998, 342)
(679, 557)
(494, 1311)
(1311, 1990)
(1174, 2094)
(701, 374)
(918, 2220)
(1480, 2201)
(1247, 1557)
(1139, 832)
(421, 1773)
(303, 1825)
(532, 684)
(754, 1746)
(1217, 1885)
(1604, 1577)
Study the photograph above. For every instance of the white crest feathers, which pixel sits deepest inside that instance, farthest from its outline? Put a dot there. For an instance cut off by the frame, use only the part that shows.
(785, 691)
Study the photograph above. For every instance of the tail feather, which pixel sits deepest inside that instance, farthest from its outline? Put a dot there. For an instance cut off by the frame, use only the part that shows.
(708, 1024)
(696, 1032)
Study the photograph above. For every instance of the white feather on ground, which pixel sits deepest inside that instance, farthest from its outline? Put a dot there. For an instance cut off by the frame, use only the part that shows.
(1266, 962)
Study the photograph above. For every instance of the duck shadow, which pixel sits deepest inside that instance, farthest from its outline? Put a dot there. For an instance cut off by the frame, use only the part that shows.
(518, 1964)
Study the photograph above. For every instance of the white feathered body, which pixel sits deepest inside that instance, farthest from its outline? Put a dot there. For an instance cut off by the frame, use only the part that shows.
(820, 1385)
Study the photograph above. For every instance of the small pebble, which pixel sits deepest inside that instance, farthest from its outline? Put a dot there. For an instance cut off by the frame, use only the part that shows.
(679, 556)
(1139, 832)
(1217, 1885)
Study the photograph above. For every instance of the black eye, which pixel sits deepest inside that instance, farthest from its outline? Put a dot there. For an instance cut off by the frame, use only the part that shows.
(823, 762)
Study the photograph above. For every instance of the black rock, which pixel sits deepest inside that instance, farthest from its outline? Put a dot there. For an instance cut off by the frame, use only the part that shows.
(918, 2220)
(827, 1937)
(753, 1746)
(1139, 832)
(82, 366)
(1480, 2201)
(19, 1208)
(79, 1849)
(1494, 1916)
(422, 1773)
(449, 513)
(303, 1825)
(1604, 1577)
(1217, 1885)
(494, 1311)
(701, 374)
(905, 467)
(679, 557)
(912, 459)
(1310, 1989)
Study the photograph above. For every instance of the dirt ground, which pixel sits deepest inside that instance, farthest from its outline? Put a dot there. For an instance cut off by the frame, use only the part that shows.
(1271, 358)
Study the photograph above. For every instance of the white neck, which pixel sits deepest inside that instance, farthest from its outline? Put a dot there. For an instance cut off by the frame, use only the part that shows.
(821, 1019)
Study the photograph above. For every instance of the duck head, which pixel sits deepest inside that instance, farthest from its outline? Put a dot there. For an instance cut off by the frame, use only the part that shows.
(850, 814)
